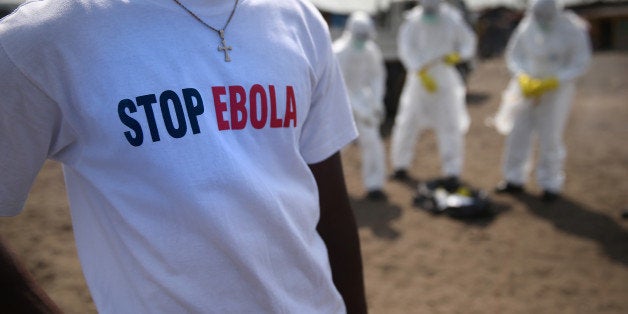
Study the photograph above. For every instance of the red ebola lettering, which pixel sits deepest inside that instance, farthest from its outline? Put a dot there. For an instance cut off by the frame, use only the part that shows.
(291, 108)
(257, 91)
(237, 100)
(274, 121)
(257, 114)
(220, 106)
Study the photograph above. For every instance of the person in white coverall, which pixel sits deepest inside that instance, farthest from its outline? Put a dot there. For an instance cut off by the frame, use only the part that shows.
(364, 72)
(547, 52)
(431, 41)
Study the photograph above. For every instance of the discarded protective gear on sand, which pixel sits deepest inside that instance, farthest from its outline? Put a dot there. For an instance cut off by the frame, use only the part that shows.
(462, 202)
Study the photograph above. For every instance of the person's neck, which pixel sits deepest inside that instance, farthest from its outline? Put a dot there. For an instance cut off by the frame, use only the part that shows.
(208, 7)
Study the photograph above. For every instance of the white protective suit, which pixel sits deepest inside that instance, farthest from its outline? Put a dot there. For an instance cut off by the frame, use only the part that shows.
(548, 43)
(364, 72)
(424, 40)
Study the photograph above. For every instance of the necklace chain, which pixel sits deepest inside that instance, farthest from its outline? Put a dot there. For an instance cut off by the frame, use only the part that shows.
(221, 32)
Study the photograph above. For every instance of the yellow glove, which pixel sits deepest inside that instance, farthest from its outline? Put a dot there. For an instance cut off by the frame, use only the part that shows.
(530, 87)
(452, 58)
(464, 191)
(549, 84)
(428, 82)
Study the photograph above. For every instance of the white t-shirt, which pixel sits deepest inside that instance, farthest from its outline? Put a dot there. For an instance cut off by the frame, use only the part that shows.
(187, 176)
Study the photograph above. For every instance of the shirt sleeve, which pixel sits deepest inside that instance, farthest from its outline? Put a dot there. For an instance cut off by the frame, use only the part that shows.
(30, 132)
(329, 125)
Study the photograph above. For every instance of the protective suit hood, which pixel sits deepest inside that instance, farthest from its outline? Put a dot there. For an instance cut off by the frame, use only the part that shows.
(544, 12)
(360, 27)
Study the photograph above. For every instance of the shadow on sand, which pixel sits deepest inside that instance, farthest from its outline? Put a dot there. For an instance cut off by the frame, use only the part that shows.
(477, 98)
(583, 222)
(377, 216)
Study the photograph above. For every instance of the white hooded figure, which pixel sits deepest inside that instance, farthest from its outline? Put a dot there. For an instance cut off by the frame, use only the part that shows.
(547, 52)
(431, 41)
(364, 72)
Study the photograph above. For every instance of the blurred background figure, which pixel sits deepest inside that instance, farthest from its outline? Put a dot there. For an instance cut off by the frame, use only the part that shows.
(431, 41)
(547, 52)
(365, 76)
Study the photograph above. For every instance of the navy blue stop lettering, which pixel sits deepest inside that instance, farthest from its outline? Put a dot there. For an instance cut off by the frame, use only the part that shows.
(189, 94)
(171, 97)
(147, 102)
(123, 106)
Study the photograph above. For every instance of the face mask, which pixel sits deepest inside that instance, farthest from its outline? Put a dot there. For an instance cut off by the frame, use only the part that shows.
(358, 44)
(430, 17)
(359, 38)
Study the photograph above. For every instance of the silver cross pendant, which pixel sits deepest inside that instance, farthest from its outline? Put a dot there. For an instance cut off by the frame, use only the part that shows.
(223, 46)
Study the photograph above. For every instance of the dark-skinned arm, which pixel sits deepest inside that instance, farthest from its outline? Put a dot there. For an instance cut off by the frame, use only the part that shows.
(19, 293)
(338, 229)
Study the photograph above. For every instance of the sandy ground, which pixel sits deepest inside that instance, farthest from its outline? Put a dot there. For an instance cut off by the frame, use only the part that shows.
(530, 257)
